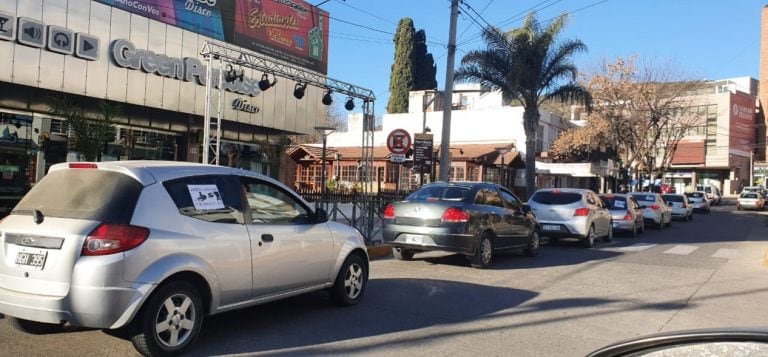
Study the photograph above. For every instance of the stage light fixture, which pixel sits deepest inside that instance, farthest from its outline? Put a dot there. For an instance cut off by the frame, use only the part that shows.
(327, 99)
(350, 104)
(298, 91)
(264, 83)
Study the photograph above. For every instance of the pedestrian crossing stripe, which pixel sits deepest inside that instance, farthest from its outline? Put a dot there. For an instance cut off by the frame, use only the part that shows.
(682, 249)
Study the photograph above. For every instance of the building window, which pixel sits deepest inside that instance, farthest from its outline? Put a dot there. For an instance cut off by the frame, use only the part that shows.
(473, 174)
(348, 173)
(711, 130)
(457, 173)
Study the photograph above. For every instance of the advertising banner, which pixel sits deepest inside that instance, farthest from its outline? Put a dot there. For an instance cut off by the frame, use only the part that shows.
(289, 30)
(742, 123)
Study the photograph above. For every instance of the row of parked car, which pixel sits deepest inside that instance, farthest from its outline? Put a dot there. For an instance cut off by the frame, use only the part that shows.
(477, 219)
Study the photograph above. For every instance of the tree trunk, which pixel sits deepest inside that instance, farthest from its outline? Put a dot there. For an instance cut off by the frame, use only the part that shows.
(530, 123)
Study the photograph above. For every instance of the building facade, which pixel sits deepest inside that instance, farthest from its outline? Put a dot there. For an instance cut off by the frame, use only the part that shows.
(720, 149)
(145, 57)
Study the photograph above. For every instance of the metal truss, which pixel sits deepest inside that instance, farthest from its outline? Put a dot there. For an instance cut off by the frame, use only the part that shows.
(264, 64)
(227, 54)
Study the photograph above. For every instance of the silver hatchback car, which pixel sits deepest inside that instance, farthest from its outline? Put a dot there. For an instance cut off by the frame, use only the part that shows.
(151, 248)
(572, 213)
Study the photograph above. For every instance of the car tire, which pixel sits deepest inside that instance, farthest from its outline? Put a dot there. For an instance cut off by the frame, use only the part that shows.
(534, 245)
(589, 240)
(660, 225)
(484, 253)
(609, 236)
(402, 254)
(34, 327)
(351, 281)
(151, 342)
(642, 227)
(669, 224)
(633, 233)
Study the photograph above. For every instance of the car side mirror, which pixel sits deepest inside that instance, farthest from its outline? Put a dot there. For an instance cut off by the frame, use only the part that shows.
(321, 216)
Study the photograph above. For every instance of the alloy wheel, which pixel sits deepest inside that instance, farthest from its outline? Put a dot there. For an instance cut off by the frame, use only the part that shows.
(175, 320)
(353, 281)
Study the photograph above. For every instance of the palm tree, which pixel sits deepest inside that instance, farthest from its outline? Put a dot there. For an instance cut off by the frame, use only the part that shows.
(530, 66)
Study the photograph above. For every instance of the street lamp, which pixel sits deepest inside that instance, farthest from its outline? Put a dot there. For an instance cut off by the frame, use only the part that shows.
(324, 131)
(503, 150)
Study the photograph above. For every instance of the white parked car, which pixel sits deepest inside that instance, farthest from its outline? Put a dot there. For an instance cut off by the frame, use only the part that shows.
(681, 209)
(572, 213)
(154, 247)
(655, 209)
(750, 200)
(699, 201)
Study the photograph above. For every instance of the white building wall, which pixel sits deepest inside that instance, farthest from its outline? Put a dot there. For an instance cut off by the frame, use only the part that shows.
(486, 121)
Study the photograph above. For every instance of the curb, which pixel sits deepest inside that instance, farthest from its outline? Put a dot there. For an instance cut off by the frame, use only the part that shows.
(379, 252)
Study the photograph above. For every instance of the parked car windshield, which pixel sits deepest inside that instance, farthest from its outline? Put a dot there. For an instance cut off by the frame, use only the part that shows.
(615, 202)
(439, 193)
(673, 198)
(90, 194)
(749, 195)
(556, 197)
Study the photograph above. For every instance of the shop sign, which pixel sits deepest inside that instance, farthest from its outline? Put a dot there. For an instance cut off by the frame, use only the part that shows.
(243, 106)
(188, 69)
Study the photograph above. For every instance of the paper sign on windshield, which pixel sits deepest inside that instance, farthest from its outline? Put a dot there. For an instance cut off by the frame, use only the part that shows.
(619, 204)
(205, 197)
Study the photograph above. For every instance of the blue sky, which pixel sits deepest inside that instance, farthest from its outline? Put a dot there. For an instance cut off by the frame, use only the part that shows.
(713, 39)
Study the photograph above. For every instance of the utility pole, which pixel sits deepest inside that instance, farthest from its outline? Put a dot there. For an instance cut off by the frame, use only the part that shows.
(445, 142)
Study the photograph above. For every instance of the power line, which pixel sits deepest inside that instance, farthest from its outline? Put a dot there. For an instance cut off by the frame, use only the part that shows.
(520, 15)
(468, 27)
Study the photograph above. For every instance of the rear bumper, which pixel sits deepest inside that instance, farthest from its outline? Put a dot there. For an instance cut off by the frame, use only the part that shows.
(430, 238)
(564, 230)
(622, 225)
(97, 297)
(83, 306)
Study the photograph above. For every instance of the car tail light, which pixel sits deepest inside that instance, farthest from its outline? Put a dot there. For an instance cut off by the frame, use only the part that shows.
(581, 212)
(655, 207)
(83, 165)
(389, 212)
(628, 216)
(455, 215)
(114, 238)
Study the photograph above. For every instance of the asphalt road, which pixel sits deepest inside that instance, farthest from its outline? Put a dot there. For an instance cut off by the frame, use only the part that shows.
(567, 301)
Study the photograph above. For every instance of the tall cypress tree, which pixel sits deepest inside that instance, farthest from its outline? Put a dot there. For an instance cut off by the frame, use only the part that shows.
(401, 79)
(425, 71)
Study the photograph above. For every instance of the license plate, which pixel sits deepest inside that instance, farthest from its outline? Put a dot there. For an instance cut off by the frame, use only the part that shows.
(34, 260)
(413, 239)
(551, 227)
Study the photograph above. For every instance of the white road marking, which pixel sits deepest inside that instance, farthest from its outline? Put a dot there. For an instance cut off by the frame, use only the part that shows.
(682, 249)
(637, 247)
(726, 253)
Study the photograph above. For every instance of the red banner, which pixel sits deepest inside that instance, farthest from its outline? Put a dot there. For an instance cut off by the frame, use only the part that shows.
(290, 30)
(742, 123)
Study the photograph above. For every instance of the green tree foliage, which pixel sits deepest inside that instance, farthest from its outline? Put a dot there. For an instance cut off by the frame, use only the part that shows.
(425, 71)
(401, 79)
(88, 133)
(529, 66)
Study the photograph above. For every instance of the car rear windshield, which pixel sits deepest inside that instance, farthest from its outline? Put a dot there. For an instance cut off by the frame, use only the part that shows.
(673, 198)
(615, 202)
(89, 194)
(695, 194)
(748, 195)
(440, 193)
(556, 197)
(645, 198)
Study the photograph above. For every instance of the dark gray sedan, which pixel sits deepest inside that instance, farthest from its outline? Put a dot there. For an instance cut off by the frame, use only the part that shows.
(470, 218)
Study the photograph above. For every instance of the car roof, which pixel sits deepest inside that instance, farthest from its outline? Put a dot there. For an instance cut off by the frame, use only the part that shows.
(148, 172)
(574, 190)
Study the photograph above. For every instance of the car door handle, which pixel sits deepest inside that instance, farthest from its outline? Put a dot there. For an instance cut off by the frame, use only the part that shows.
(267, 237)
